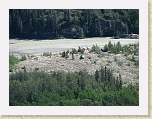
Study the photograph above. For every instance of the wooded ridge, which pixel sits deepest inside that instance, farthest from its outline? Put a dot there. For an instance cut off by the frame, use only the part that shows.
(72, 23)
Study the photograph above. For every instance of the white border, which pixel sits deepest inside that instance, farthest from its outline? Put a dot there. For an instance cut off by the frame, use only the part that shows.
(5, 5)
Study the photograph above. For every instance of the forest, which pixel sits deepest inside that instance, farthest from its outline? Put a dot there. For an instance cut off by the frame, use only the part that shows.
(72, 23)
(71, 89)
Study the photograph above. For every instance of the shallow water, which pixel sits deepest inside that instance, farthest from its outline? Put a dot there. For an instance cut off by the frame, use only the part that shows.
(38, 47)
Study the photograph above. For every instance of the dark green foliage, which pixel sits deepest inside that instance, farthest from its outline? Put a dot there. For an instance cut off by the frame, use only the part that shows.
(74, 51)
(96, 49)
(80, 33)
(63, 54)
(47, 53)
(118, 47)
(81, 50)
(36, 69)
(57, 23)
(126, 49)
(106, 47)
(23, 58)
(110, 46)
(13, 60)
(136, 63)
(72, 55)
(70, 89)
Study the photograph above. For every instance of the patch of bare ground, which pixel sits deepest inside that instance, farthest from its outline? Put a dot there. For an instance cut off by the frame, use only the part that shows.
(118, 63)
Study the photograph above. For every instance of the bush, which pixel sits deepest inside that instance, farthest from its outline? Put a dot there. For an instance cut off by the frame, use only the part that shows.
(110, 46)
(106, 47)
(23, 58)
(136, 63)
(63, 54)
(36, 69)
(96, 49)
(126, 49)
(81, 50)
(12, 61)
(74, 51)
(118, 46)
(47, 53)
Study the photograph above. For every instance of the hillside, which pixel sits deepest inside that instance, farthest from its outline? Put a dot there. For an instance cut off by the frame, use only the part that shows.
(71, 23)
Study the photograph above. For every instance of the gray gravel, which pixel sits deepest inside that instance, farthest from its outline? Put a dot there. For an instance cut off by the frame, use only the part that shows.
(35, 49)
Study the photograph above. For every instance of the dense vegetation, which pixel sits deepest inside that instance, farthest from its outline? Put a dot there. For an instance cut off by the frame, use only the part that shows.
(72, 89)
(126, 49)
(71, 23)
(14, 60)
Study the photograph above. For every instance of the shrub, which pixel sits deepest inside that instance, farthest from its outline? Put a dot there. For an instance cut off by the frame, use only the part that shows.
(118, 46)
(81, 50)
(47, 53)
(23, 58)
(106, 47)
(110, 46)
(95, 49)
(36, 69)
(12, 61)
(63, 54)
(74, 51)
(136, 63)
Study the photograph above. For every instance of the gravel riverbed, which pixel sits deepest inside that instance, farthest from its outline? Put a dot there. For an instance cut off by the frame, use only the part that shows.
(119, 63)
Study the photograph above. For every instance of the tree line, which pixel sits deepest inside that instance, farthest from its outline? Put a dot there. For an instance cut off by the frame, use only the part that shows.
(38, 88)
(71, 23)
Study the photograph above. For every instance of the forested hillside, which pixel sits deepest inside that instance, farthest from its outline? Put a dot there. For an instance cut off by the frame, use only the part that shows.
(71, 89)
(71, 23)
